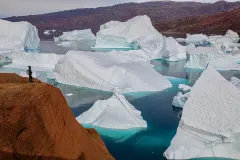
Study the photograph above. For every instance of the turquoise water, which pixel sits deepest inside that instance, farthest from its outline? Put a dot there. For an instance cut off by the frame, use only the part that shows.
(162, 118)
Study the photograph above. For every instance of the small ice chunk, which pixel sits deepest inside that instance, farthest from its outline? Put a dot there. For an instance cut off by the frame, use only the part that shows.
(115, 113)
(180, 99)
(69, 94)
(46, 32)
(184, 87)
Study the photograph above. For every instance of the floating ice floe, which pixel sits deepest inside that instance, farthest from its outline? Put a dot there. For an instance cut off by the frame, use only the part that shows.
(123, 71)
(172, 50)
(197, 39)
(180, 99)
(39, 62)
(114, 113)
(47, 32)
(136, 33)
(76, 35)
(199, 57)
(18, 35)
(233, 35)
(210, 123)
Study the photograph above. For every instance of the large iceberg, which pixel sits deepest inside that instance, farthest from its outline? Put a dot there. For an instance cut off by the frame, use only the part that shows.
(199, 57)
(39, 62)
(115, 113)
(210, 123)
(172, 50)
(197, 39)
(76, 35)
(18, 35)
(136, 33)
(123, 71)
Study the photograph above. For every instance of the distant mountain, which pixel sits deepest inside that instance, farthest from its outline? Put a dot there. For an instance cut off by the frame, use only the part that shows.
(210, 24)
(159, 12)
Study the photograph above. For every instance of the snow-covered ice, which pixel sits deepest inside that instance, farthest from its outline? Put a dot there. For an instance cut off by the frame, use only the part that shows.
(18, 35)
(120, 70)
(210, 123)
(199, 57)
(115, 113)
(197, 39)
(47, 32)
(136, 33)
(172, 50)
(38, 62)
(76, 35)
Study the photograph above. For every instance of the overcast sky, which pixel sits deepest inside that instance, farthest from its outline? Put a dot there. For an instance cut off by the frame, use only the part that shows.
(26, 7)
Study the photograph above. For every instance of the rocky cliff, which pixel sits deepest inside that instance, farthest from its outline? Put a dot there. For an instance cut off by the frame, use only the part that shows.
(36, 123)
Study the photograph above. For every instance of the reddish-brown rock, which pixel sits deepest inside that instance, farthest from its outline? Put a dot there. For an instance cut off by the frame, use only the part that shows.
(36, 123)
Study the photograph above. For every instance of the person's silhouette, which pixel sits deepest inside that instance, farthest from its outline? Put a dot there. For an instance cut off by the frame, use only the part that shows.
(30, 74)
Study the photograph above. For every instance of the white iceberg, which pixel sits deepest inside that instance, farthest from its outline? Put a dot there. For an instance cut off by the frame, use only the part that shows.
(76, 35)
(47, 32)
(123, 71)
(109, 24)
(199, 57)
(172, 50)
(18, 35)
(39, 62)
(181, 40)
(233, 35)
(180, 99)
(197, 39)
(115, 113)
(136, 33)
(210, 123)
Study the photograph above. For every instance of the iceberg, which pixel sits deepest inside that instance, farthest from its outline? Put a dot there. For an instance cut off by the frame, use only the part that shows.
(199, 57)
(124, 71)
(233, 35)
(76, 35)
(115, 113)
(136, 33)
(39, 62)
(226, 63)
(210, 123)
(18, 35)
(172, 50)
(197, 39)
(47, 32)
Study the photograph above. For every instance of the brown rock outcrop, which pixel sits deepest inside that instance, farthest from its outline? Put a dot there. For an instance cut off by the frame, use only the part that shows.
(36, 123)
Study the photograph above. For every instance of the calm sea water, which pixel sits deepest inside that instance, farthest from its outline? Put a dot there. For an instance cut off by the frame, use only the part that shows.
(162, 118)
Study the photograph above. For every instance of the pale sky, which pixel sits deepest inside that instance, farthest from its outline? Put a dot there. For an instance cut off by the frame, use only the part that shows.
(27, 7)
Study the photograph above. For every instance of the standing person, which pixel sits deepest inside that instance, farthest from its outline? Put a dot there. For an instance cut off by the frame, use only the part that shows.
(30, 74)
